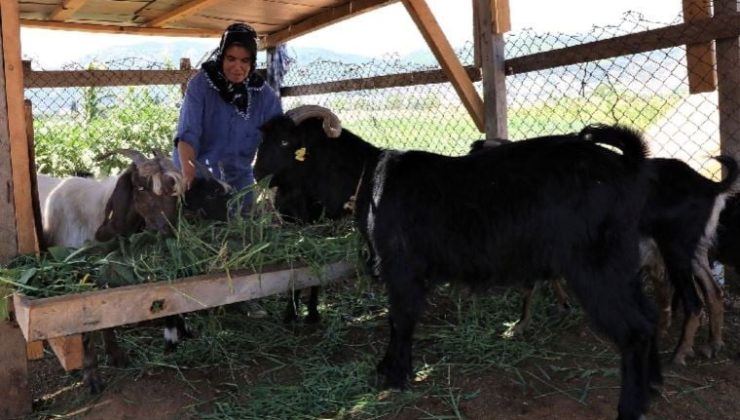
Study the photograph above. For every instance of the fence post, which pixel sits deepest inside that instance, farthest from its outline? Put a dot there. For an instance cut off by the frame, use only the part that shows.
(493, 21)
(185, 65)
(728, 84)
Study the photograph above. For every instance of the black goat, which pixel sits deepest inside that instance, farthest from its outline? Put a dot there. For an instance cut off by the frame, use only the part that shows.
(543, 208)
(297, 196)
(678, 225)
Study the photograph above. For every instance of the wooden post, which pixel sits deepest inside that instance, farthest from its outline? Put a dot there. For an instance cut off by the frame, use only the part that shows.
(493, 20)
(9, 244)
(35, 201)
(700, 60)
(728, 86)
(14, 130)
(16, 216)
(185, 65)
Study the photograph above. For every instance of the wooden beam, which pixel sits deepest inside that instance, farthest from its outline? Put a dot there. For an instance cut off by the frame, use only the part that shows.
(183, 11)
(15, 392)
(700, 60)
(41, 319)
(423, 77)
(88, 78)
(323, 19)
(69, 350)
(66, 9)
(704, 30)
(117, 29)
(19, 159)
(422, 15)
(492, 67)
(500, 16)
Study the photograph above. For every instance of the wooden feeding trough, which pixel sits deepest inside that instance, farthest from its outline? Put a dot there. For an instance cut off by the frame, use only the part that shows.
(61, 320)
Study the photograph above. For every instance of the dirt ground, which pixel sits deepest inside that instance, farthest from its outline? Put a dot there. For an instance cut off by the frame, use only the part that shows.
(702, 390)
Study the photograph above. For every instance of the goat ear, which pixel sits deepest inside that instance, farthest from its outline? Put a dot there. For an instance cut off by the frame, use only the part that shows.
(119, 210)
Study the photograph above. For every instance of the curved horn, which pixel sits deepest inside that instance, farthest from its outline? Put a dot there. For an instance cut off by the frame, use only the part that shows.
(159, 153)
(135, 156)
(332, 125)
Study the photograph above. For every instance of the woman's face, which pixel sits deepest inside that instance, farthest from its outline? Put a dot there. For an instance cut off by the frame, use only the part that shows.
(237, 62)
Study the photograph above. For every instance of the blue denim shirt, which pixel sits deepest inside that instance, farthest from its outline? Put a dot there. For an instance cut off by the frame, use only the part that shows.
(223, 139)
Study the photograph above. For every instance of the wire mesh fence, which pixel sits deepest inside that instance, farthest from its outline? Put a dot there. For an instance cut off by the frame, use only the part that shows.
(648, 91)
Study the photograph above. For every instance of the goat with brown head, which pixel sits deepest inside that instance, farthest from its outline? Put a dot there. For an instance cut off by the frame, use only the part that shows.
(145, 197)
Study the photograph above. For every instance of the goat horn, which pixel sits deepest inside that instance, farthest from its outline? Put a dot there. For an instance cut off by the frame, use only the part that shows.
(331, 124)
(159, 153)
(135, 156)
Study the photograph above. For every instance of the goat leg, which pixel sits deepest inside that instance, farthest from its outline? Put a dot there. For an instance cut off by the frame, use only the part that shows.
(713, 300)
(118, 357)
(526, 317)
(313, 316)
(291, 309)
(90, 376)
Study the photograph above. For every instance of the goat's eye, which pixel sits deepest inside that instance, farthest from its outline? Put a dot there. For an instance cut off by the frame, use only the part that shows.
(284, 143)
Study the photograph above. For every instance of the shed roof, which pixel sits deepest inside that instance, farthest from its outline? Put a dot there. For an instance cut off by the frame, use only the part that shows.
(276, 21)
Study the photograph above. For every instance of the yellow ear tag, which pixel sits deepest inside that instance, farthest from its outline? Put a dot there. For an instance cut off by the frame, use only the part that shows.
(300, 154)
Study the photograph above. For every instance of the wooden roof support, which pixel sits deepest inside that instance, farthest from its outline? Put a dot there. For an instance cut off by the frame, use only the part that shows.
(493, 18)
(65, 10)
(117, 29)
(20, 163)
(440, 46)
(700, 58)
(329, 17)
(183, 11)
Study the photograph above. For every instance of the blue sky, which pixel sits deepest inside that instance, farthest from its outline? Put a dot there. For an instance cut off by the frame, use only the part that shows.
(383, 31)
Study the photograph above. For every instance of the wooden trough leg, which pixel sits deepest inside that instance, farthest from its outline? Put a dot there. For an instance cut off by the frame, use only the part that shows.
(69, 351)
(15, 394)
(35, 350)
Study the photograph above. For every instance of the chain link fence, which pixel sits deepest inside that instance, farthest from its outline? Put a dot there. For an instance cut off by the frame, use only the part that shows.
(648, 91)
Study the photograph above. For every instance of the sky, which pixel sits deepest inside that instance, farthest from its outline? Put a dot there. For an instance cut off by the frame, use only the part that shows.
(383, 31)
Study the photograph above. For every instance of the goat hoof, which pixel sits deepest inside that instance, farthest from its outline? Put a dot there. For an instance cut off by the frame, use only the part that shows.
(290, 318)
(94, 384)
(712, 350)
(680, 357)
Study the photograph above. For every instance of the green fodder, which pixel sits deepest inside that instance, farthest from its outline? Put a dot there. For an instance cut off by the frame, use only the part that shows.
(197, 247)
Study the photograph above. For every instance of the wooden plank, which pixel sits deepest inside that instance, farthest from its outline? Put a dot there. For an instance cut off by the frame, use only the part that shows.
(42, 319)
(9, 243)
(331, 16)
(120, 29)
(19, 160)
(699, 31)
(183, 11)
(700, 60)
(35, 350)
(494, 75)
(416, 78)
(80, 78)
(15, 393)
(422, 15)
(66, 9)
(69, 350)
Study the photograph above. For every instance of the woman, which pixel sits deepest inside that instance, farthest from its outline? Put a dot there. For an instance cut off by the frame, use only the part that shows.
(225, 104)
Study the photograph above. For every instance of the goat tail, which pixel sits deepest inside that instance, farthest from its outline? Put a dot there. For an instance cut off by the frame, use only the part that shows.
(729, 183)
(626, 139)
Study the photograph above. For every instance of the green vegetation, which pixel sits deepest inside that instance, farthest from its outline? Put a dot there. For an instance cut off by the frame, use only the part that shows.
(196, 248)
